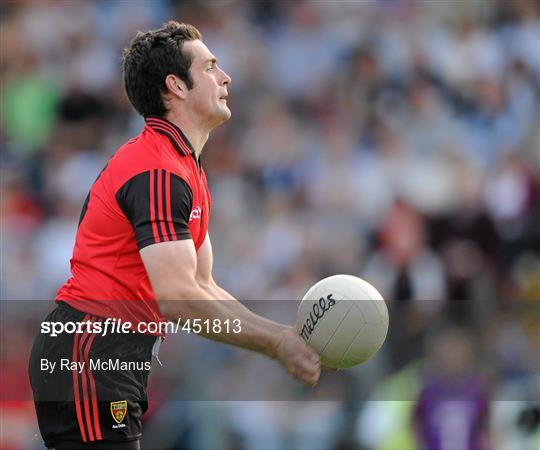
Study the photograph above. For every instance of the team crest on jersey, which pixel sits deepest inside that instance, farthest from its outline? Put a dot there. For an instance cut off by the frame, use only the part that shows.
(195, 213)
(119, 410)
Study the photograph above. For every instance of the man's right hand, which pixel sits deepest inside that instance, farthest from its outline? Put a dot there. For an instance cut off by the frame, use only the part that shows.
(300, 360)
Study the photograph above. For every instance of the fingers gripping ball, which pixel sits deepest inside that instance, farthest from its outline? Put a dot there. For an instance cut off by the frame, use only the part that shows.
(345, 319)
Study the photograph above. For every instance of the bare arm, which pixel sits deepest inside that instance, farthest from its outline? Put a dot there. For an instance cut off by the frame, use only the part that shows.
(185, 289)
(205, 262)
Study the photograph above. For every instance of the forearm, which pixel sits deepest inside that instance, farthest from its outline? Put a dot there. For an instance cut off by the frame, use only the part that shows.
(217, 291)
(213, 303)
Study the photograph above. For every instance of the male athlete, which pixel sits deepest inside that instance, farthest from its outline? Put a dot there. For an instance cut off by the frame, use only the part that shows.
(143, 254)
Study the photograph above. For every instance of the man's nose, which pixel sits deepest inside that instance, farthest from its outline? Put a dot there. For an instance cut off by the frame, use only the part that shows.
(226, 78)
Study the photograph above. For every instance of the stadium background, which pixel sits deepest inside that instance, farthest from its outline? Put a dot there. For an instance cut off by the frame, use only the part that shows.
(394, 140)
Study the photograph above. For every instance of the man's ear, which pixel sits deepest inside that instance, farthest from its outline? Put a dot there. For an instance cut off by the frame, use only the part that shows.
(176, 86)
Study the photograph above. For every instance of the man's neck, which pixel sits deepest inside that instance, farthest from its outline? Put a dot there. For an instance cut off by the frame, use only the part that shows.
(196, 135)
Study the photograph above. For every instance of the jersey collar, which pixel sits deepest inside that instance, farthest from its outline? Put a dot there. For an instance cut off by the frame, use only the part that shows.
(175, 134)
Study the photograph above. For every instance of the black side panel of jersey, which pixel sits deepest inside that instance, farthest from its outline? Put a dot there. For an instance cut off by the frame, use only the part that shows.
(87, 199)
(158, 204)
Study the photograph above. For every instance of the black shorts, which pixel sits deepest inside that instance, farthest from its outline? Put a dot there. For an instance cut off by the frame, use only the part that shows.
(97, 389)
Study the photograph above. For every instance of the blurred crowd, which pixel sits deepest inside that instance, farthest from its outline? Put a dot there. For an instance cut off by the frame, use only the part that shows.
(393, 140)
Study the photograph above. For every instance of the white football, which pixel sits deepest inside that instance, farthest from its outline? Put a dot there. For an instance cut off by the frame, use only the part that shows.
(345, 319)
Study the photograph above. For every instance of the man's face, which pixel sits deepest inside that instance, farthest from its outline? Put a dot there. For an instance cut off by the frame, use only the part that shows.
(207, 98)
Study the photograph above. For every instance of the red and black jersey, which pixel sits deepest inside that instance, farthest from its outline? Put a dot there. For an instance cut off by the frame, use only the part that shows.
(152, 190)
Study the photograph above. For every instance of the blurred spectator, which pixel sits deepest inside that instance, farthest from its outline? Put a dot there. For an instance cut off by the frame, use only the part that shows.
(452, 408)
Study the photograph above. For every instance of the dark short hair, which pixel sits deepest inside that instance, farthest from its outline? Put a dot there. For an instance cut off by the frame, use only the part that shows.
(149, 58)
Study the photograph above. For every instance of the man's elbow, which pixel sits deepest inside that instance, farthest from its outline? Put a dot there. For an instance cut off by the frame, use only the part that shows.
(173, 301)
(168, 309)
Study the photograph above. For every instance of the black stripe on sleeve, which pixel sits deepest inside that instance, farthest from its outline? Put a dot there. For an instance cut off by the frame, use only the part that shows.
(164, 203)
(156, 204)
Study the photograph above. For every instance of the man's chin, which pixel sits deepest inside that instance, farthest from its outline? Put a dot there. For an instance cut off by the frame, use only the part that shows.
(220, 119)
(225, 114)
